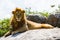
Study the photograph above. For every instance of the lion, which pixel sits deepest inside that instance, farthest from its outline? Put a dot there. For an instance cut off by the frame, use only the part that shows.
(19, 23)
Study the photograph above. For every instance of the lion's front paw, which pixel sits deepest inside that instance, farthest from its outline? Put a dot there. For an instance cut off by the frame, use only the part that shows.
(7, 34)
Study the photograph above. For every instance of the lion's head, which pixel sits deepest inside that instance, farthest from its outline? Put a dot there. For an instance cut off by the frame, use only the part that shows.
(18, 14)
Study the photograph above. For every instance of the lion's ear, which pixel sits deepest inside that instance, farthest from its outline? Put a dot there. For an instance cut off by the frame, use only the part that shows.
(23, 11)
(12, 12)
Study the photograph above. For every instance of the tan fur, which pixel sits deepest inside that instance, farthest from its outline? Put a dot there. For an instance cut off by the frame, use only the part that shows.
(22, 24)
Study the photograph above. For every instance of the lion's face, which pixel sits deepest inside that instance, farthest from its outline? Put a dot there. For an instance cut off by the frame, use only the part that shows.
(18, 13)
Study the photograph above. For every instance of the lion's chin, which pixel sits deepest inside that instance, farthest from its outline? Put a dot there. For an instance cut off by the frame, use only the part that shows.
(18, 20)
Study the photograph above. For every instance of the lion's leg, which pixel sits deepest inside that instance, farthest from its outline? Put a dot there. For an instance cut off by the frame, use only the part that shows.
(46, 26)
(8, 33)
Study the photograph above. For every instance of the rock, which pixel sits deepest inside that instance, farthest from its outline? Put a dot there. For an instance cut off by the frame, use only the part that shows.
(58, 20)
(37, 18)
(39, 34)
(54, 19)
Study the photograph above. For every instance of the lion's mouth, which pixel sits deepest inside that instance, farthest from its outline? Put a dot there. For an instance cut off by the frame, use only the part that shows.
(18, 19)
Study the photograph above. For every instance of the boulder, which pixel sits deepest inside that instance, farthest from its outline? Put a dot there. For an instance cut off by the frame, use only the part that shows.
(37, 18)
(38, 34)
(54, 19)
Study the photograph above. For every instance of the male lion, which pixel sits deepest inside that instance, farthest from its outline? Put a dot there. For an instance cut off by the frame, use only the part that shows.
(19, 23)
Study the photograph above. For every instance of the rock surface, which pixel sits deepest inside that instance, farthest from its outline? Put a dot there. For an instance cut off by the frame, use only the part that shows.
(39, 34)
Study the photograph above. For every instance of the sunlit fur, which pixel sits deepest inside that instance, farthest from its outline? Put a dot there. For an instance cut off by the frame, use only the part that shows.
(19, 23)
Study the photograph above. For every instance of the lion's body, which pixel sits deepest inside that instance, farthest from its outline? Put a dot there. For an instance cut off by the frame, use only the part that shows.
(20, 23)
(33, 25)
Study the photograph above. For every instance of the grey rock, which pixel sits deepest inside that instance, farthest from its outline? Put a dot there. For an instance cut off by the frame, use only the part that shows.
(37, 18)
(54, 19)
(38, 34)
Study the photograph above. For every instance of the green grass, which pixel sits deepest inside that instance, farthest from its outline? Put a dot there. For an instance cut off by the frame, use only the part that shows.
(4, 26)
(46, 14)
(2, 32)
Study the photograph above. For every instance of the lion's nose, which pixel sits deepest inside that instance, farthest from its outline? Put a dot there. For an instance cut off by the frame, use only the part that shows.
(18, 16)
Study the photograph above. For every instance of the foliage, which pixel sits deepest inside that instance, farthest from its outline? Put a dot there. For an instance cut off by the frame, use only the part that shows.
(46, 14)
(4, 26)
(28, 11)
